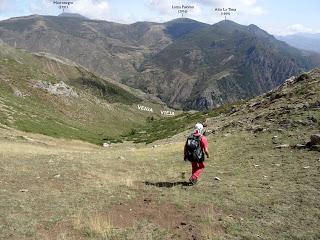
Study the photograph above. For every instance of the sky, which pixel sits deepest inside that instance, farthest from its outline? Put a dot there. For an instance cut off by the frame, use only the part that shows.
(278, 17)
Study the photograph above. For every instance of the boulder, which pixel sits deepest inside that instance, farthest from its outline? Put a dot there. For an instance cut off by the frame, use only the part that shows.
(283, 146)
(315, 139)
(106, 145)
(17, 93)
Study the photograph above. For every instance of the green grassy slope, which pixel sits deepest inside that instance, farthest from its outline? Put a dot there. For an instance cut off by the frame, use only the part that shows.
(102, 110)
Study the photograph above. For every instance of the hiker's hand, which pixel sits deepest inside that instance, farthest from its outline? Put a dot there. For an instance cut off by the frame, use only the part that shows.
(207, 153)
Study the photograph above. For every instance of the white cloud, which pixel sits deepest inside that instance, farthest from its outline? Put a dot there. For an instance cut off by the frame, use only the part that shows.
(164, 7)
(41, 7)
(4, 5)
(204, 9)
(95, 9)
(298, 28)
(161, 6)
(246, 7)
(291, 29)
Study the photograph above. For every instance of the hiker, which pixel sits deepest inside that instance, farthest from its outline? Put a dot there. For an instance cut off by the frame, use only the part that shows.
(194, 149)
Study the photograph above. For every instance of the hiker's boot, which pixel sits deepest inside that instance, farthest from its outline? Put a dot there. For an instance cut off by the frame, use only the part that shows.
(193, 181)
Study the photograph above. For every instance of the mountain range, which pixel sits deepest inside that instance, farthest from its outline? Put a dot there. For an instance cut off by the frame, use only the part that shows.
(187, 64)
(221, 63)
(306, 41)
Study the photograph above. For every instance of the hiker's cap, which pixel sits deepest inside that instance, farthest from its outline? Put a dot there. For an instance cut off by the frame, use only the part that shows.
(198, 127)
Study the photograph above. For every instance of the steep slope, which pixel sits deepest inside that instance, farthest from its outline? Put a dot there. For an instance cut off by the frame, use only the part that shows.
(187, 64)
(291, 109)
(53, 96)
(110, 49)
(222, 63)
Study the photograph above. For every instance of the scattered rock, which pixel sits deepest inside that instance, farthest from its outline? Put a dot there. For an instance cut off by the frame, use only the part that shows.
(315, 148)
(155, 146)
(301, 122)
(18, 93)
(28, 139)
(299, 146)
(275, 140)
(147, 200)
(283, 146)
(256, 165)
(315, 139)
(23, 190)
(217, 179)
(258, 129)
(289, 81)
(56, 89)
(313, 119)
(107, 145)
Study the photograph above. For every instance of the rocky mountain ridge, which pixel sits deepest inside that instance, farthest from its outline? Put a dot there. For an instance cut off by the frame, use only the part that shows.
(185, 63)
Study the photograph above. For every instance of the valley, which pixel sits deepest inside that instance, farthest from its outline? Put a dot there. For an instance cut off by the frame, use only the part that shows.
(251, 188)
(94, 117)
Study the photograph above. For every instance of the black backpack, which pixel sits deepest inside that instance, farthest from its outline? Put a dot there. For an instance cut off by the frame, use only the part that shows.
(193, 149)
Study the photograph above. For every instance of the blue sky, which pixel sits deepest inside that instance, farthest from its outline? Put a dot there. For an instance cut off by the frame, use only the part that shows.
(280, 17)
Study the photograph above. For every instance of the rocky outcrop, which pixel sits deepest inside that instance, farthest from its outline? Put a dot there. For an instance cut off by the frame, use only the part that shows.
(56, 89)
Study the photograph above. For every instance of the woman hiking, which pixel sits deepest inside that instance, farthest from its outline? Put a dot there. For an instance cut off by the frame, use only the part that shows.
(194, 150)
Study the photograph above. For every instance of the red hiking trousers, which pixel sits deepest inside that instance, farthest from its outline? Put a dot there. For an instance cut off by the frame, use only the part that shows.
(197, 169)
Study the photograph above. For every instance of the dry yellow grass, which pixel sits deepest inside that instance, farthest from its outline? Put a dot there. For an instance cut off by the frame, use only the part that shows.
(57, 189)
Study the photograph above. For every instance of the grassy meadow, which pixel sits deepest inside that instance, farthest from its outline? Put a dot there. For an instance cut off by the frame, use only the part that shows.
(61, 189)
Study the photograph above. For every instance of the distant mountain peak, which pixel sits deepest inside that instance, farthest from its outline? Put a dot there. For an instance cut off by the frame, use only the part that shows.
(74, 15)
(181, 26)
(258, 31)
(227, 22)
(183, 20)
